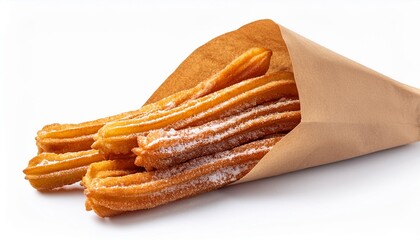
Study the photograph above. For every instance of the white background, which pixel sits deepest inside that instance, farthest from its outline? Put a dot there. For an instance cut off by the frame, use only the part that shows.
(80, 60)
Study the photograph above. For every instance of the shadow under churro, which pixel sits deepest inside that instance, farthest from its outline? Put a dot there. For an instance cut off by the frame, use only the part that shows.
(75, 188)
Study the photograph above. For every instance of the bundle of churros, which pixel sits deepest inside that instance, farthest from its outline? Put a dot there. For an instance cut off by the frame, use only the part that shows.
(222, 117)
(193, 141)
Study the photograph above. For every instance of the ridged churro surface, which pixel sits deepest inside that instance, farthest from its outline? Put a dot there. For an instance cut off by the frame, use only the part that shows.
(120, 137)
(165, 148)
(61, 138)
(109, 196)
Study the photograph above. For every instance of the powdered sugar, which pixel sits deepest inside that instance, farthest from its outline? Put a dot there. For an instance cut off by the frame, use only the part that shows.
(253, 151)
(45, 162)
(214, 126)
(230, 128)
(207, 182)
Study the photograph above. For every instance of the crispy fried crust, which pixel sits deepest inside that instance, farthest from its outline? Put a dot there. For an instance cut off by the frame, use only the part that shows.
(191, 142)
(165, 148)
(120, 137)
(109, 196)
(47, 171)
(74, 140)
(61, 138)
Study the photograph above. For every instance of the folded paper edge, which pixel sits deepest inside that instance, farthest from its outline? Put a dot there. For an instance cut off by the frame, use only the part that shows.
(258, 172)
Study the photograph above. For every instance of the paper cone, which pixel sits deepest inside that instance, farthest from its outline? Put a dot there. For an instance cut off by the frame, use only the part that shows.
(347, 109)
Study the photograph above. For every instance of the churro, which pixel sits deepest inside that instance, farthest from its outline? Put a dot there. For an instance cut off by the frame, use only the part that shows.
(165, 148)
(61, 138)
(48, 171)
(74, 140)
(109, 196)
(193, 141)
(120, 137)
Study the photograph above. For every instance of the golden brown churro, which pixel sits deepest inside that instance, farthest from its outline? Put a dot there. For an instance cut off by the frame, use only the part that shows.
(119, 137)
(166, 148)
(191, 142)
(61, 138)
(109, 196)
(74, 139)
(47, 171)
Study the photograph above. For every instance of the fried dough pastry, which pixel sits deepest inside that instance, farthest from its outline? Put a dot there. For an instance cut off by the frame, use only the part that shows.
(105, 169)
(71, 140)
(113, 193)
(48, 171)
(240, 97)
(61, 138)
(119, 137)
(110, 168)
(191, 142)
(165, 148)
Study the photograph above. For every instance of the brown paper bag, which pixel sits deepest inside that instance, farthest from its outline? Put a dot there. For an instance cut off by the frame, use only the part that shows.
(347, 109)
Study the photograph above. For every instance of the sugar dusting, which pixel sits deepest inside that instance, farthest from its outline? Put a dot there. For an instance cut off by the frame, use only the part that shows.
(52, 158)
(184, 180)
(247, 150)
(227, 144)
(210, 159)
(214, 180)
(164, 148)
(170, 105)
(213, 126)
(45, 162)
